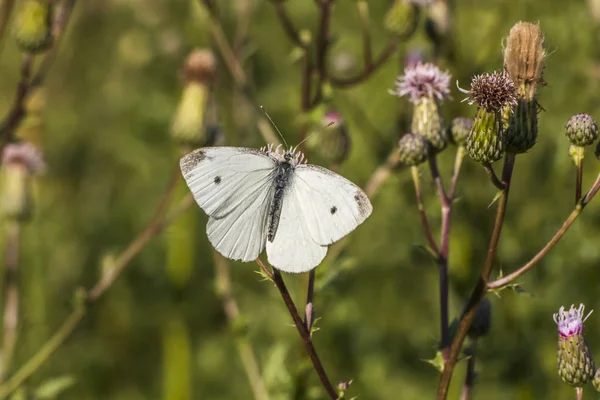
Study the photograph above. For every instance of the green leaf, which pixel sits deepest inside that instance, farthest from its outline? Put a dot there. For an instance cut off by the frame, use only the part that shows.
(52, 388)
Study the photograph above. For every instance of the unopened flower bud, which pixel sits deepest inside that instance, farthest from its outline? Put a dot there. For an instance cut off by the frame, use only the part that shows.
(20, 161)
(596, 381)
(522, 129)
(581, 130)
(188, 124)
(524, 58)
(33, 25)
(428, 122)
(460, 128)
(575, 363)
(400, 16)
(332, 141)
(486, 141)
(413, 149)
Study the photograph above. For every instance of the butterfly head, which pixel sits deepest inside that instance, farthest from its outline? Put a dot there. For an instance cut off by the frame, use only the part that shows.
(292, 156)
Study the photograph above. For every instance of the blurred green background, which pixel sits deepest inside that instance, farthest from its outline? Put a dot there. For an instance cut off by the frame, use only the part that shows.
(103, 119)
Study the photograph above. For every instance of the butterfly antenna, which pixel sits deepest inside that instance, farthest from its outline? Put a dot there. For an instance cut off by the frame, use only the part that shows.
(274, 126)
(314, 133)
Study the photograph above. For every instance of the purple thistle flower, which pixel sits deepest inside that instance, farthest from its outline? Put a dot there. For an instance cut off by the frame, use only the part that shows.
(492, 91)
(423, 80)
(25, 154)
(570, 322)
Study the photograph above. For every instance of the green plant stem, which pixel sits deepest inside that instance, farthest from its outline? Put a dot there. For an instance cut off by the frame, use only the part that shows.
(579, 393)
(304, 333)
(11, 295)
(481, 286)
(287, 24)
(232, 311)
(470, 375)
(578, 179)
(381, 59)
(309, 312)
(156, 225)
(460, 155)
(363, 12)
(6, 8)
(493, 177)
(424, 220)
(499, 283)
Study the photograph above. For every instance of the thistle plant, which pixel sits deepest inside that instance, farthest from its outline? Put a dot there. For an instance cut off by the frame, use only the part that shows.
(503, 124)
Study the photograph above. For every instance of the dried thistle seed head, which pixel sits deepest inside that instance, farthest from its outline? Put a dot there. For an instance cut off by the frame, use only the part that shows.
(492, 91)
(413, 149)
(423, 80)
(581, 130)
(460, 128)
(524, 57)
(575, 363)
(200, 66)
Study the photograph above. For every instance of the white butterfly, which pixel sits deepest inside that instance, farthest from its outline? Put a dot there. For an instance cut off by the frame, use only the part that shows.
(269, 197)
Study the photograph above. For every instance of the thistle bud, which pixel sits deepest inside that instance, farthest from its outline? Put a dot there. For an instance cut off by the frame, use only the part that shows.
(400, 16)
(413, 149)
(522, 129)
(524, 58)
(575, 363)
(332, 141)
(427, 87)
(494, 94)
(33, 26)
(482, 321)
(188, 124)
(20, 161)
(581, 130)
(596, 381)
(460, 128)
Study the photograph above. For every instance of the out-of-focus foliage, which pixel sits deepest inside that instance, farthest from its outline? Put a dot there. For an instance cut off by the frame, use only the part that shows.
(103, 121)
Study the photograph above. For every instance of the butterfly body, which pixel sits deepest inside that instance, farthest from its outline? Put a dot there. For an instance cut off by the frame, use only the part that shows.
(272, 199)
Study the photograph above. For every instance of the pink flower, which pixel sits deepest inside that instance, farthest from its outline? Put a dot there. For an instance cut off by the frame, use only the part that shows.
(570, 322)
(423, 80)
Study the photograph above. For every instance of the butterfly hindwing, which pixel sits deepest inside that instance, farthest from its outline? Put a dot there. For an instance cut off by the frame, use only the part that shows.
(293, 249)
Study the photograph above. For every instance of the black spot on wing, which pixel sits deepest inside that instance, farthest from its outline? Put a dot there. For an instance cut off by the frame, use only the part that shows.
(333, 210)
(217, 180)
(191, 160)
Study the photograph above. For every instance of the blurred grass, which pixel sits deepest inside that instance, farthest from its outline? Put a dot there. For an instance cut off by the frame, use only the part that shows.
(107, 107)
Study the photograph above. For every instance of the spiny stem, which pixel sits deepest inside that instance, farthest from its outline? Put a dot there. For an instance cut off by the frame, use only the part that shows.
(424, 220)
(481, 287)
(497, 284)
(309, 312)
(304, 333)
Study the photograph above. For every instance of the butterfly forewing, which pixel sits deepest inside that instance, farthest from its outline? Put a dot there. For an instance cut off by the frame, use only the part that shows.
(331, 205)
(234, 187)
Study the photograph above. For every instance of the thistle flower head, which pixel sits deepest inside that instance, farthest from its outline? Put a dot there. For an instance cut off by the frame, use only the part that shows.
(24, 154)
(570, 322)
(423, 80)
(574, 361)
(492, 92)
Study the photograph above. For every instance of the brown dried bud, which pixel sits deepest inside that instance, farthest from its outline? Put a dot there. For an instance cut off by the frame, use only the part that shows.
(524, 57)
(200, 66)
